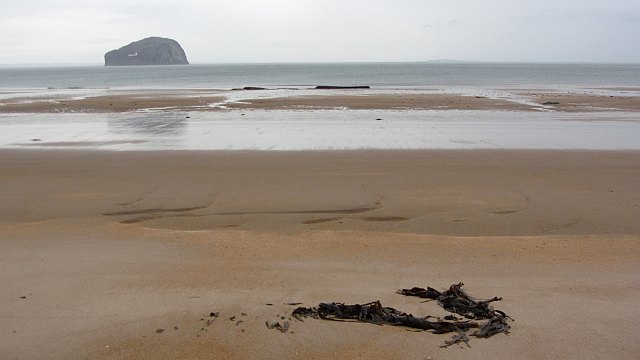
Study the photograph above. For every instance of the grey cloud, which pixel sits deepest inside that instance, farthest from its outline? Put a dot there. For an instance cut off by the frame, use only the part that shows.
(447, 24)
(330, 30)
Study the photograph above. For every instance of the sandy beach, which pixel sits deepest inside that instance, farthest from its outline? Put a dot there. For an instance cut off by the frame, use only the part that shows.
(125, 254)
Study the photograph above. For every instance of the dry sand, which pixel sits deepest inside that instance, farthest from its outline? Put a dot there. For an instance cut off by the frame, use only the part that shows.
(100, 250)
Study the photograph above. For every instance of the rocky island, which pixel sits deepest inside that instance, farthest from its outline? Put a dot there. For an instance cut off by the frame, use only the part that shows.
(149, 51)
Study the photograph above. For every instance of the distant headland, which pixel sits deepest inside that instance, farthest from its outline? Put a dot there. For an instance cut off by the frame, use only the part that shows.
(149, 51)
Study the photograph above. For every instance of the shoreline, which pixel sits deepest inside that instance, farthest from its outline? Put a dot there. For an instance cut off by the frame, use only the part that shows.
(116, 101)
(147, 214)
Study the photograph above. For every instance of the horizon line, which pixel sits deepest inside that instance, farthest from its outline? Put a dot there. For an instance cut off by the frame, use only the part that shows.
(434, 61)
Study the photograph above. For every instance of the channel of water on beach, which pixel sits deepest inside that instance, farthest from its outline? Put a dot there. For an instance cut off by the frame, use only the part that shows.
(321, 130)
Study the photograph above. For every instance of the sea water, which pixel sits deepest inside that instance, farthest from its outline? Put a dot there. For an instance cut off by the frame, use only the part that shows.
(311, 74)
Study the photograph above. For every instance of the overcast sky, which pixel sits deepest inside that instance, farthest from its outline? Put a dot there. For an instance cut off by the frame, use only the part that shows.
(81, 31)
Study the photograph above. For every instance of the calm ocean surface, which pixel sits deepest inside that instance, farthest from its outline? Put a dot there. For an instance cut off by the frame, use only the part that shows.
(310, 74)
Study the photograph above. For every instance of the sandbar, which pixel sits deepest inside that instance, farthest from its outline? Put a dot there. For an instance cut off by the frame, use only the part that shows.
(305, 99)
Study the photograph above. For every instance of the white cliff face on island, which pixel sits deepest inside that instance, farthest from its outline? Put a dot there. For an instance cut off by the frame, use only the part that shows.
(149, 51)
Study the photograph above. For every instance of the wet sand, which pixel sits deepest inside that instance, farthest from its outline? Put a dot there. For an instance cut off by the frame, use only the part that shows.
(101, 250)
(109, 103)
(584, 102)
(217, 100)
(383, 102)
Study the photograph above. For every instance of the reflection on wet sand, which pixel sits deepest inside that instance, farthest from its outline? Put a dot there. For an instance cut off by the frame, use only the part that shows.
(160, 123)
(323, 130)
(80, 144)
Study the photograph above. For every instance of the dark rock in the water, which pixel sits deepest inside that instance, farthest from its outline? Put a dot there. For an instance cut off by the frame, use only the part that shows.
(333, 87)
(249, 88)
(149, 51)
